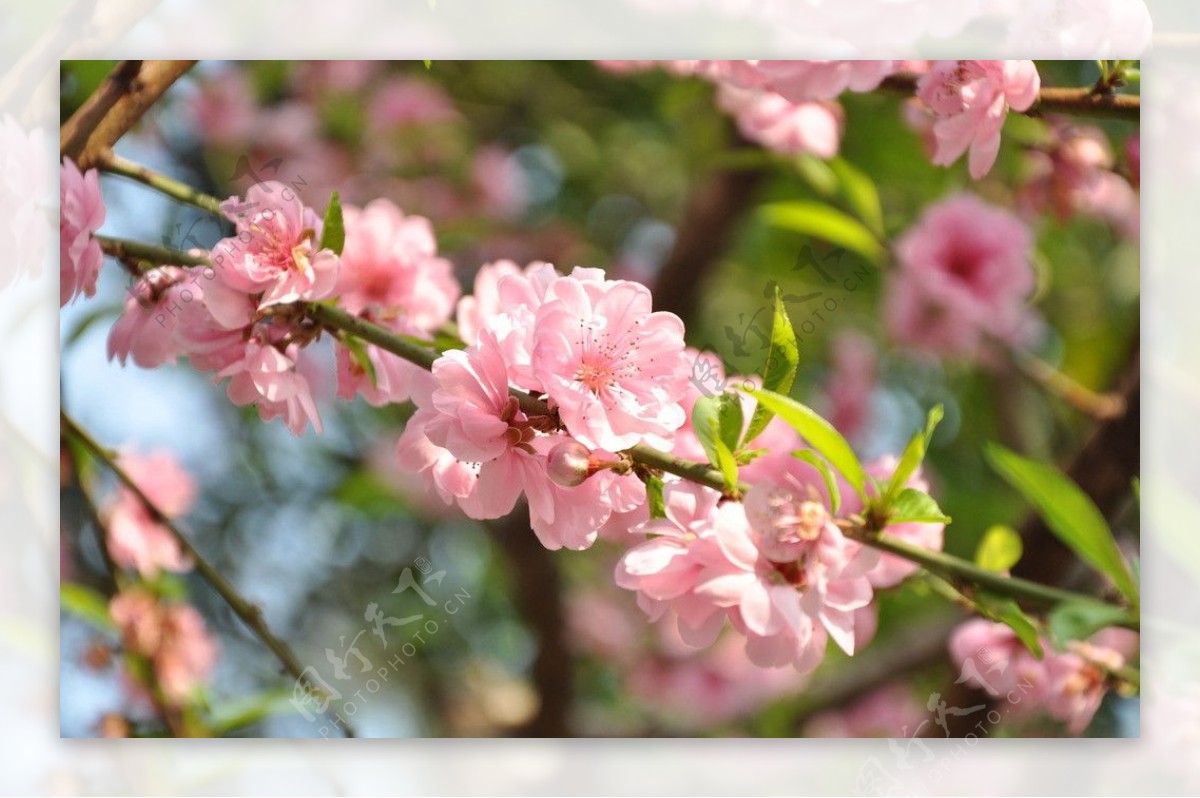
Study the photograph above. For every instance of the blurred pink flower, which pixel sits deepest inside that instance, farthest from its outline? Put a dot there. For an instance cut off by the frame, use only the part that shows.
(500, 181)
(275, 253)
(615, 370)
(403, 101)
(225, 110)
(1133, 159)
(888, 711)
(25, 189)
(971, 100)
(172, 636)
(390, 266)
(851, 383)
(805, 81)
(82, 213)
(390, 384)
(782, 125)
(135, 539)
(963, 274)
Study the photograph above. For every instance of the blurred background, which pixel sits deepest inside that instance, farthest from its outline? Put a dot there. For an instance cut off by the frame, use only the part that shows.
(642, 173)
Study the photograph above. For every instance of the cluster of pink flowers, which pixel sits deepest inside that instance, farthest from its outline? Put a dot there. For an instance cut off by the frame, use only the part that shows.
(81, 213)
(1066, 685)
(968, 102)
(963, 275)
(136, 540)
(171, 636)
(613, 374)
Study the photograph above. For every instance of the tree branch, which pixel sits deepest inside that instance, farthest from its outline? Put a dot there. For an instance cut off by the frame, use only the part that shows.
(1076, 101)
(110, 162)
(247, 612)
(115, 107)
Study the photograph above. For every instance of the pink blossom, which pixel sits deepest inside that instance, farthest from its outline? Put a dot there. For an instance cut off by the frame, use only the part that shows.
(805, 81)
(851, 383)
(403, 101)
(135, 539)
(1066, 685)
(390, 265)
(501, 183)
(1073, 174)
(888, 711)
(146, 329)
(269, 377)
(172, 636)
(615, 370)
(779, 124)
(25, 190)
(963, 274)
(1133, 159)
(971, 100)
(81, 214)
(224, 110)
(274, 253)
(452, 480)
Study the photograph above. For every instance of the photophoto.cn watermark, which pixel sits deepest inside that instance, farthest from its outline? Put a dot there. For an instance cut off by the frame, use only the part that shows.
(877, 779)
(751, 337)
(326, 698)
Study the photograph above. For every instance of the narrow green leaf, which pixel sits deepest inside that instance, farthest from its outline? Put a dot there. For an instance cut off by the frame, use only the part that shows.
(1068, 512)
(1009, 613)
(717, 420)
(783, 358)
(913, 456)
(654, 496)
(727, 464)
(86, 604)
(1079, 620)
(239, 713)
(729, 420)
(823, 221)
(835, 493)
(999, 549)
(860, 193)
(333, 231)
(915, 506)
(819, 434)
(358, 351)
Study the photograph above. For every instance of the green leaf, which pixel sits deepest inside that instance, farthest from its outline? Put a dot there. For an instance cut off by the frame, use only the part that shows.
(86, 604)
(1009, 613)
(1079, 620)
(819, 434)
(835, 493)
(727, 464)
(358, 351)
(1068, 512)
(915, 506)
(914, 455)
(333, 231)
(823, 221)
(717, 421)
(860, 193)
(239, 713)
(730, 420)
(783, 358)
(654, 496)
(999, 549)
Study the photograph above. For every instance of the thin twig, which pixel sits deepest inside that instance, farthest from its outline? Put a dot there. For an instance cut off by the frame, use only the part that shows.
(247, 612)
(1100, 406)
(114, 164)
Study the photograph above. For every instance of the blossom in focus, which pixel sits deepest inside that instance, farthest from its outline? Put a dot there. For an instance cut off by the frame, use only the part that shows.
(782, 125)
(275, 253)
(146, 330)
(963, 274)
(135, 539)
(81, 214)
(269, 377)
(970, 100)
(615, 370)
(172, 636)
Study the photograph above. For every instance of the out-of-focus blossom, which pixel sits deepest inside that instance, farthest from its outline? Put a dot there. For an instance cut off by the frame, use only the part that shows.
(971, 100)
(172, 636)
(146, 329)
(501, 183)
(24, 191)
(963, 274)
(135, 538)
(225, 110)
(782, 125)
(1133, 159)
(401, 102)
(805, 81)
(81, 214)
(851, 383)
(889, 711)
(1065, 685)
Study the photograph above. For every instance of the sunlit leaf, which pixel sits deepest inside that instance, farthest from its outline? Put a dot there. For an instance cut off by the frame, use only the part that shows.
(860, 193)
(783, 358)
(1079, 620)
(835, 493)
(915, 506)
(825, 222)
(654, 496)
(333, 231)
(999, 549)
(914, 455)
(86, 604)
(1068, 512)
(1008, 612)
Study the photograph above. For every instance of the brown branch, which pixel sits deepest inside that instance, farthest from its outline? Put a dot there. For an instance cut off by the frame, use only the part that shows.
(539, 598)
(115, 107)
(1076, 101)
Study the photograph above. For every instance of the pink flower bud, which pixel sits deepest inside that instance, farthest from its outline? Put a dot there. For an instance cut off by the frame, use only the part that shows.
(569, 464)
